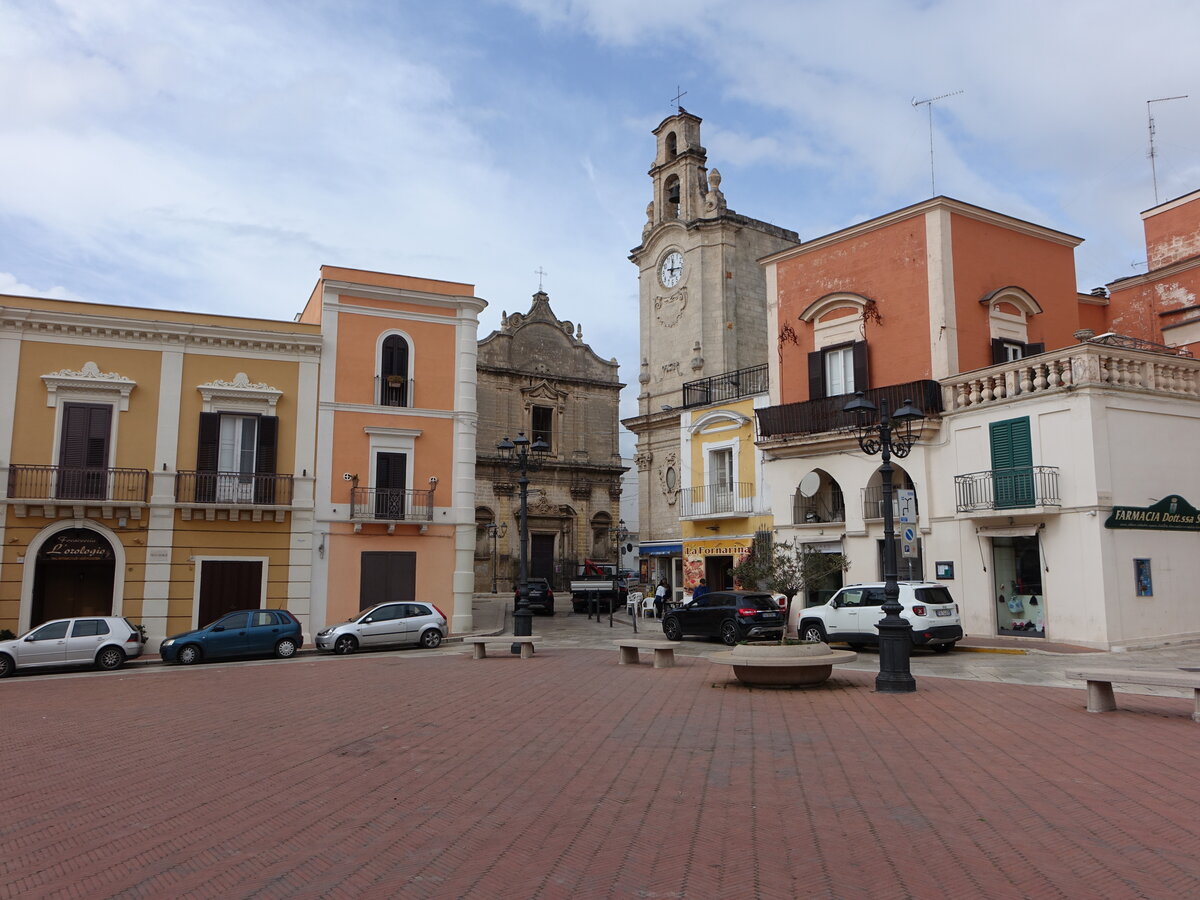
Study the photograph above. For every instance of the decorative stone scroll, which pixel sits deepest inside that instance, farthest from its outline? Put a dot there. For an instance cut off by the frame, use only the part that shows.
(240, 392)
(89, 383)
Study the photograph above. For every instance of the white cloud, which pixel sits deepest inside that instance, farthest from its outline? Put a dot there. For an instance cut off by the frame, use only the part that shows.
(10, 284)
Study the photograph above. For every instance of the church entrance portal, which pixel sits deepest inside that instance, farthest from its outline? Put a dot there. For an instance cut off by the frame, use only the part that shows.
(73, 577)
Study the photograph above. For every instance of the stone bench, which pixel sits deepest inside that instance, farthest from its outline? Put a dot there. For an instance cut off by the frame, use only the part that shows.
(480, 644)
(664, 651)
(1100, 681)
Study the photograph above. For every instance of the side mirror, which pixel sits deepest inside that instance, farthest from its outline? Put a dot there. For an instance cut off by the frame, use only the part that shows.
(28, 638)
(218, 628)
(368, 620)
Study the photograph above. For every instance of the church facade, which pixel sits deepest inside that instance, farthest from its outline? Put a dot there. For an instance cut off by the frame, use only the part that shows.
(537, 377)
(703, 323)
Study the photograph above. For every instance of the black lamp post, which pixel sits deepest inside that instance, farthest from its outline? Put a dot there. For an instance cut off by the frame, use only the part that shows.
(889, 434)
(517, 453)
(496, 532)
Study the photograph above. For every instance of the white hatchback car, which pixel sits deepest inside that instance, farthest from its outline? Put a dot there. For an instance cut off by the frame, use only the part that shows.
(101, 641)
(851, 614)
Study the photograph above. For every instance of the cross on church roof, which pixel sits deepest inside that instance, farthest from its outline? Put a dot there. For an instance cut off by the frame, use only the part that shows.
(679, 95)
(539, 272)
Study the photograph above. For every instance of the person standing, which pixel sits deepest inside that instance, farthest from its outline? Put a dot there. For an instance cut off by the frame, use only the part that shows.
(700, 590)
(660, 598)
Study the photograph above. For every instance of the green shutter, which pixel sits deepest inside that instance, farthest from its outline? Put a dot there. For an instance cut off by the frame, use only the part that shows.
(1012, 463)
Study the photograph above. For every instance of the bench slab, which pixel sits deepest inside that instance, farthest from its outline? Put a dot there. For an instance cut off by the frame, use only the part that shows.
(480, 645)
(664, 651)
(1100, 697)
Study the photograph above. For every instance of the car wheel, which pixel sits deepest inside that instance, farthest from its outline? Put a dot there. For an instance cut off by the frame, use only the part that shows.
(671, 629)
(7, 667)
(110, 658)
(814, 631)
(729, 632)
(285, 649)
(431, 638)
(188, 655)
(943, 648)
(345, 645)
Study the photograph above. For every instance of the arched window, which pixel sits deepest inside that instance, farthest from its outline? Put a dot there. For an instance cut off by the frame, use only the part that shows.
(394, 380)
(672, 190)
(672, 145)
(601, 539)
(818, 498)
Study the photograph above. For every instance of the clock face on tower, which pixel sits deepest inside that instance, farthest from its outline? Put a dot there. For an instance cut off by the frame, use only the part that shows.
(671, 269)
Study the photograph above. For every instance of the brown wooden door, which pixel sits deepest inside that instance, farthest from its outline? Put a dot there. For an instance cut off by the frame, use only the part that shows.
(541, 556)
(226, 585)
(83, 451)
(387, 577)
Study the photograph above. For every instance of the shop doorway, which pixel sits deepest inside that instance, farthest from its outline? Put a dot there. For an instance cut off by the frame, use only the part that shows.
(1020, 600)
(227, 585)
(387, 577)
(718, 572)
(73, 576)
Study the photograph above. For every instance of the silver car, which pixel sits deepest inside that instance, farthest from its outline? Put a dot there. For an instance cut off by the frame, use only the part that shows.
(386, 624)
(101, 641)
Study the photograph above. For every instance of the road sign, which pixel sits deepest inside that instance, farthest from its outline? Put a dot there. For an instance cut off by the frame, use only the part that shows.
(908, 542)
(906, 507)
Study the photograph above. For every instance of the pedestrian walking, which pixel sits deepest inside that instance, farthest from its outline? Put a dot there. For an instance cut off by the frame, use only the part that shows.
(660, 598)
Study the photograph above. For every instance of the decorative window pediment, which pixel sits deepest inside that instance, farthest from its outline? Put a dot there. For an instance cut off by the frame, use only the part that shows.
(89, 383)
(239, 394)
(543, 390)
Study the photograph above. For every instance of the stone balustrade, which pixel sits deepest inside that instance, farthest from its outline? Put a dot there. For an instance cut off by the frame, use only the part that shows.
(1084, 365)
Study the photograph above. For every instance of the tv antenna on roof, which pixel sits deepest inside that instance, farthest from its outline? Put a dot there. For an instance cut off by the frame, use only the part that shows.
(928, 103)
(1152, 154)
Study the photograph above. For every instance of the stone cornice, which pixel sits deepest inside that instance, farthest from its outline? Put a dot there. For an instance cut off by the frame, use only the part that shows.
(240, 390)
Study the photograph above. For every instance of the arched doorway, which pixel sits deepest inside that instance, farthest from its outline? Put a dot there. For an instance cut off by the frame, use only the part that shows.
(73, 576)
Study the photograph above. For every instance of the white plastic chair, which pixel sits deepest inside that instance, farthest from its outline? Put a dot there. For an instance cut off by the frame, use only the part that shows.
(648, 608)
(631, 602)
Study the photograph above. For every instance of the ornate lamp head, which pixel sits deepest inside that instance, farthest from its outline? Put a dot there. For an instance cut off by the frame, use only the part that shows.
(506, 447)
(863, 422)
(908, 421)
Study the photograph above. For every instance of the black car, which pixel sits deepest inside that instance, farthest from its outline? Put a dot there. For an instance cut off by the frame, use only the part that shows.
(730, 615)
(541, 597)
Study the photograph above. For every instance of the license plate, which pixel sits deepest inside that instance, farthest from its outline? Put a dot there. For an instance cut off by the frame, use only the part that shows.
(942, 612)
(770, 615)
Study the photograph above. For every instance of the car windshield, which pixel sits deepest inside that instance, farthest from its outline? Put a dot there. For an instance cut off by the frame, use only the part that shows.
(934, 595)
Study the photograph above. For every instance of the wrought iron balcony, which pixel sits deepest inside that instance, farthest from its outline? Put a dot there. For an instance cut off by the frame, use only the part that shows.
(391, 505)
(810, 510)
(1019, 488)
(710, 500)
(72, 484)
(393, 390)
(872, 498)
(825, 415)
(727, 386)
(233, 488)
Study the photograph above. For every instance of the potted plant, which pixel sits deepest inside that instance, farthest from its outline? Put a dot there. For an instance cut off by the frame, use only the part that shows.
(786, 568)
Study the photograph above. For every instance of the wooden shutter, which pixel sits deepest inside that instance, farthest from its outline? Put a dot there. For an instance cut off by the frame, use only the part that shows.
(208, 440)
(816, 375)
(1035, 349)
(998, 352)
(1012, 463)
(265, 458)
(862, 376)
(83, 450)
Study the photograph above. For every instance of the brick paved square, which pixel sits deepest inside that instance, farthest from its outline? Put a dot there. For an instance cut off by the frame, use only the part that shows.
(423, 775)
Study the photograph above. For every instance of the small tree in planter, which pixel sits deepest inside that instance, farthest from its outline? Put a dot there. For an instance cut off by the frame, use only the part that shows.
(786, 568)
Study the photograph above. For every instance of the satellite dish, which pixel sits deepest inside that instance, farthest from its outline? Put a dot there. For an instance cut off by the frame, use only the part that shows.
(810, 484)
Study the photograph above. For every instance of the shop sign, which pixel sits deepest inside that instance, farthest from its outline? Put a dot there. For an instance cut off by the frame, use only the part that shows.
(1171, 513)
(77, 544)
(725, 548)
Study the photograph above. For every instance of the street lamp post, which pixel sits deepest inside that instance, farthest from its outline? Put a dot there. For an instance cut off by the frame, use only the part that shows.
(517, 454)
(496, 532)
(620, 534)
(889, 435)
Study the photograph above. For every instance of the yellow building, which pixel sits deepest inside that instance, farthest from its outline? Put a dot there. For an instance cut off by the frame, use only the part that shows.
(721, 500)
(155, 464)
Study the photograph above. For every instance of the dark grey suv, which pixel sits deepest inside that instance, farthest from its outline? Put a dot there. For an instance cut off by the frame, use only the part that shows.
(541, 597)
(730, 615)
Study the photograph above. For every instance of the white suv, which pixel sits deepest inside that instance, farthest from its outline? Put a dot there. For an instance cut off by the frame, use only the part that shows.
(851, 614)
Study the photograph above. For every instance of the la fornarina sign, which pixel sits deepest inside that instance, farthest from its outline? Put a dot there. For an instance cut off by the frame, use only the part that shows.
(1171, 513)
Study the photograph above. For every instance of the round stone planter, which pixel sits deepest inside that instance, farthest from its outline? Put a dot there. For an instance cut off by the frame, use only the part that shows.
(786, 665)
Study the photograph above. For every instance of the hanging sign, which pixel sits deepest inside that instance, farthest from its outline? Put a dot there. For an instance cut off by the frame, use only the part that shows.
(1171, 513)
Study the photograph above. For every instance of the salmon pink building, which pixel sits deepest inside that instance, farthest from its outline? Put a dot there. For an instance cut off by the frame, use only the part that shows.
(396, 418)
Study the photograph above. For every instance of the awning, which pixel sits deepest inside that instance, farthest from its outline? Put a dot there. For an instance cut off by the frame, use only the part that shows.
(1009, 531)
(660, 548)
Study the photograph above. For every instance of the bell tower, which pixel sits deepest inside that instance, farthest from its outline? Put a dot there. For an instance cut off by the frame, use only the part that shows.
(679, 172)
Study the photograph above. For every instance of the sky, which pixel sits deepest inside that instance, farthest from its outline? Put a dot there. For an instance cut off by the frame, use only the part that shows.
(211, 156)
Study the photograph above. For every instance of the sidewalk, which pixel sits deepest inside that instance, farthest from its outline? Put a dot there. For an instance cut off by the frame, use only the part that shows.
(426, 774)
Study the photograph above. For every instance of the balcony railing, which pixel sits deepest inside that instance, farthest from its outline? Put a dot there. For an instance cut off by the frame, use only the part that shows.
(1018, 488)
(872, 498)
(235, 488)
(825, 415)
(393, 390)
(728, 386)
(391, 505)
(810, 510)
(70, 483)
(735, 498)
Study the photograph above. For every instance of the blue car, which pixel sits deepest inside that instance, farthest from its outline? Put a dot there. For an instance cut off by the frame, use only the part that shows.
(247, 632)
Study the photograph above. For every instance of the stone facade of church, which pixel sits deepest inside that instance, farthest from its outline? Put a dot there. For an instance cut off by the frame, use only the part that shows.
(537, 376)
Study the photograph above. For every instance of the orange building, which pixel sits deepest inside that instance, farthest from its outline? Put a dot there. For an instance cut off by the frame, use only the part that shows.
(156, 464)
(1163, 305)
(396, 418)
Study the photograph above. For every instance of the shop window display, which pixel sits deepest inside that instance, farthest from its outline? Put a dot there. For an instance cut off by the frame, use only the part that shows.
(1020, 600)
